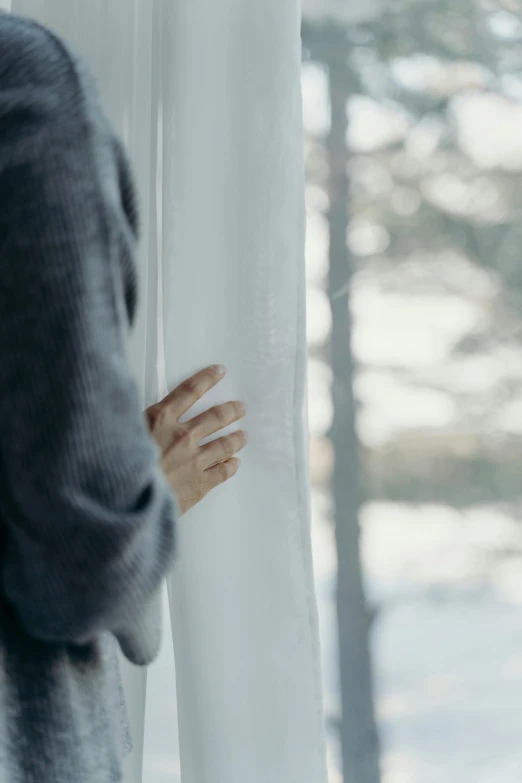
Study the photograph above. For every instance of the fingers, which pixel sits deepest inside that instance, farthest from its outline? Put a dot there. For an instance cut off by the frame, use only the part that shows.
(184, 396)
(222, 449)
(216, 418)
(222, 472)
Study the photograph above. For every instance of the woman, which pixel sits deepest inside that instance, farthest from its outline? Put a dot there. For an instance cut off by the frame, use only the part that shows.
(90, 488)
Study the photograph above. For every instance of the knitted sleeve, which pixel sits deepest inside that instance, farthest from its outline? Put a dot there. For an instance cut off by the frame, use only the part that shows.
(88, 517)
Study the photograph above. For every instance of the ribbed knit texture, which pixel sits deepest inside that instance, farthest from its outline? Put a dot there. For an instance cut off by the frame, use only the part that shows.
(87, 519)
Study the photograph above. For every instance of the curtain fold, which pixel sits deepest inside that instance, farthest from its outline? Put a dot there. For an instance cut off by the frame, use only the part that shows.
(207, 98)
(242, 597)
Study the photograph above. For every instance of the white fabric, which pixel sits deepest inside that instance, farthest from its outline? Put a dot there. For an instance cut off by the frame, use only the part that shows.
(207, 98)
(242, 597)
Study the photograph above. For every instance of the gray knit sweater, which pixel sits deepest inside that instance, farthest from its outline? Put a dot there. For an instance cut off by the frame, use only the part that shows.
(87, 518)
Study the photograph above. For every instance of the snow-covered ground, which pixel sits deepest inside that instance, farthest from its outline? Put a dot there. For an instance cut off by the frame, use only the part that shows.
(447, 642)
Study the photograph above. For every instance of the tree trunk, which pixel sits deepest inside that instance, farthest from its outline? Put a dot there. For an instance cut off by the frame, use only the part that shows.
(359, 738)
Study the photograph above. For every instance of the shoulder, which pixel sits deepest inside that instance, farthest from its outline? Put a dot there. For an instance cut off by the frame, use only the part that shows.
(37, 66)
(29, 53)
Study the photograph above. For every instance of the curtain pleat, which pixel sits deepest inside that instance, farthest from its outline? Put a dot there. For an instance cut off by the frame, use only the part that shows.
(242, 597)
(207, 98)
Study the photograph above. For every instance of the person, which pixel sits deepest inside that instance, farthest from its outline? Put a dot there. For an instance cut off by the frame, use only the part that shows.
(91, 487)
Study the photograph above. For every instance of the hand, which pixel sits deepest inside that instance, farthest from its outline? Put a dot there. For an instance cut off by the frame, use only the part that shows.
(193, 470)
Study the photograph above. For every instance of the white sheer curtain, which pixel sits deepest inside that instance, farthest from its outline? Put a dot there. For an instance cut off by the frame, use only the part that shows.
(207, 98)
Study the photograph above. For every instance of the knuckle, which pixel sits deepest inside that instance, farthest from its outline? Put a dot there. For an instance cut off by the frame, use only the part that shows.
(232, 445)
(228, 446)
(183, 437)
(200, 463)
(222, 471)
(223, 447)
(220, 414)
(191, 387)
(161, 418)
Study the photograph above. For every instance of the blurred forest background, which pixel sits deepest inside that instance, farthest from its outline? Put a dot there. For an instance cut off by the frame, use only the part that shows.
(413, 119)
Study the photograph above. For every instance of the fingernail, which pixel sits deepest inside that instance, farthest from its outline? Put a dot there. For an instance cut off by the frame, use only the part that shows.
(245, 436)
(242, 407)
(220, 369)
